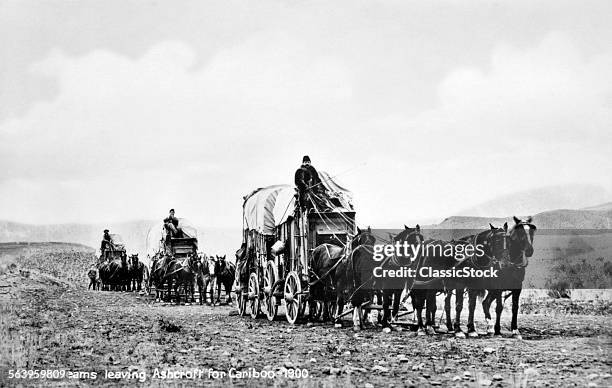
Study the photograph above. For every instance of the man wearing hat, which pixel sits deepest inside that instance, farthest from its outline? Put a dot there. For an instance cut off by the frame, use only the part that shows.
(171, 224)
(107, 241)
(307, 180)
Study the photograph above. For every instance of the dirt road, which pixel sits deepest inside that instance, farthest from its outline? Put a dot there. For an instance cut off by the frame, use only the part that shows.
(48, 324)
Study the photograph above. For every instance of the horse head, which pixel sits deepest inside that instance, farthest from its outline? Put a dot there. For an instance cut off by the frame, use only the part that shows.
(194, 262)
(495, 242)
(363, 237)
(521, 236)
(134, 260)
(411, 236)
(220, 264)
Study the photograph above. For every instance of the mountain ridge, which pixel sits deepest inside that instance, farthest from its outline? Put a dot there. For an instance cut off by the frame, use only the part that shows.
(226, 240)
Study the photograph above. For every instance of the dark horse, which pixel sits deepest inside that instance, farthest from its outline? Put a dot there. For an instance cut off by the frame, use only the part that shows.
(422, 287)
(325, 259)
(354, 277)
(493, 246)
(204, 278)
(225, 273)
(183, 273)
(115, 274)
(161, 274)
(511, 274)
(137, 269)
(392, 288)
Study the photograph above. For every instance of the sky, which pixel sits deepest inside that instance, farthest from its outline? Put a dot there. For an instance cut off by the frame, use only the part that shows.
(120, 110)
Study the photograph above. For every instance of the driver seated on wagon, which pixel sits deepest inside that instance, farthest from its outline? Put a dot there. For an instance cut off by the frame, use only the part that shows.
(171, 224)
(107, 242)
(311, 192)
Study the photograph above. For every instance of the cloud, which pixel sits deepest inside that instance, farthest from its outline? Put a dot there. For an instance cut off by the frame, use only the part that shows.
(129, 137)
(159, 121)
(529, 117)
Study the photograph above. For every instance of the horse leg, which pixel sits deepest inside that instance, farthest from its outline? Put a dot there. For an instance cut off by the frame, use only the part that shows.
(472, 294)
(397, 296)
(515, 308)
(357, 318)
(447, 309)
(459, 296)
(386, 306)
(169, 296)
(199, 281)
(339, 309)
(430, 311)
(418, 302)
(227, 284)
(499, 307)
(191, 283)
(486, 305)
(208, 291)
(177, 291)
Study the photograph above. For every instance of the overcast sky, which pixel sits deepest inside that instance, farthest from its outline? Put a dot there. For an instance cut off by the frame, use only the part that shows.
(116, 110)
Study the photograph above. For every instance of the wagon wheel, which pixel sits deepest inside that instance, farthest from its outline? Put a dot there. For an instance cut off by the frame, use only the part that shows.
(294, 299)
(253, 301)
(269, 303)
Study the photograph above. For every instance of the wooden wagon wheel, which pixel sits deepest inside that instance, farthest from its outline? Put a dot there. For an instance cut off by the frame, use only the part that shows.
(253, 301)
(294, 299)
(269, 303)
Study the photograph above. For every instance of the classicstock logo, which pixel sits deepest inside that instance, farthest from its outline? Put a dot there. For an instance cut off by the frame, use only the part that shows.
(566, 259)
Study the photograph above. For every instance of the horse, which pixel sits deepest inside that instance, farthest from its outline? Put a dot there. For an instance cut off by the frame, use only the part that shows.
(511, 275)
(354, 276)
(325, 258)
(115, 273)
(137, 269)
(225, 273)
(183, 273)
(391, 288)
(157, 278)
(493, 245)
(205, 277)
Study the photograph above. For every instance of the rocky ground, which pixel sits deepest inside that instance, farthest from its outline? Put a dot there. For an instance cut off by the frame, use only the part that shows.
(48, 323)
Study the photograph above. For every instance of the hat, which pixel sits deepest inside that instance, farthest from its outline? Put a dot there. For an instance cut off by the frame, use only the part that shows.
(106, 231)
(171, 210)
(305, 159)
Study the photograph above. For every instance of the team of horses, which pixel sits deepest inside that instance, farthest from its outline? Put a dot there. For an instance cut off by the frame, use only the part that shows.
(174, 275)
(344, 275)
(118, 274)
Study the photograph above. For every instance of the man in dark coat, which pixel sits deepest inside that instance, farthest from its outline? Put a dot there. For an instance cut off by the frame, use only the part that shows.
(107, 240)
(171, 224)
(307, 181)
(315, 181)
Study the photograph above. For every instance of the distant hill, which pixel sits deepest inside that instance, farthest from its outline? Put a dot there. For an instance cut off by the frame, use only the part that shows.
(603, 206)
(134, 234)
(554, 219)
(225, 241)
(575, 196)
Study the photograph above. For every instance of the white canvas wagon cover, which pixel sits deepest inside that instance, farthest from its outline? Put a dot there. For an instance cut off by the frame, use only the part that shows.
(267, 207)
